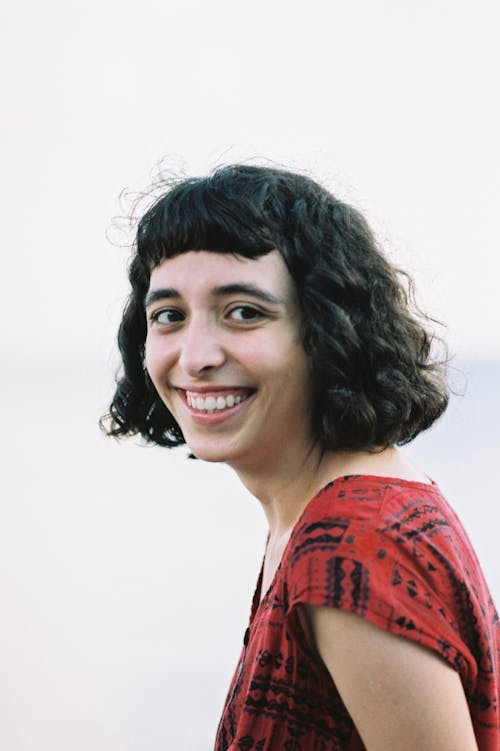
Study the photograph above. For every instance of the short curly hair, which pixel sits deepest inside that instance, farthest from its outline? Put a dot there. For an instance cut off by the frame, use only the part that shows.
(376, 381)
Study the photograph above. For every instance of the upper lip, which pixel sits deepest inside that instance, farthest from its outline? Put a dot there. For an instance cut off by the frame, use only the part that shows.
(214, 387)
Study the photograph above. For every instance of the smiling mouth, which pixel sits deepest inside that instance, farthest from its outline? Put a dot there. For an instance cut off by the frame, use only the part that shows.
(216, 401)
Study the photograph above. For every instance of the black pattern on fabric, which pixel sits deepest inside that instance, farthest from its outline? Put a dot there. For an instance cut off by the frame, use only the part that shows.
(392, 552)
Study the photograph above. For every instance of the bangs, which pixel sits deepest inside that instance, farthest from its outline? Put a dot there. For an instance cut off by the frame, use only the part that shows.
(201, 214)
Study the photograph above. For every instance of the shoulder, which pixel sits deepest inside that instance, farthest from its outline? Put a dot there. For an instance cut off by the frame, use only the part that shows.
(339, 518)
(366, 502)
(394, 553)
(380, 548)
(387, 529)
(337, 554)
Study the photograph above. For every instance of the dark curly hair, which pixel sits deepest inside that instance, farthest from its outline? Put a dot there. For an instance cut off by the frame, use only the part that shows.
(376, 383)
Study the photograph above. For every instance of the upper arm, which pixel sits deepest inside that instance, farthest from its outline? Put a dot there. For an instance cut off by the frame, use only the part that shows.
(399, 694)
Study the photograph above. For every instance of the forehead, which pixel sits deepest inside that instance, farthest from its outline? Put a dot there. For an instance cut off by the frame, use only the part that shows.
(201, 270)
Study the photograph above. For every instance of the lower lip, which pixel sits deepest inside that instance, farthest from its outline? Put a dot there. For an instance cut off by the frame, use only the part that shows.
(219, 416)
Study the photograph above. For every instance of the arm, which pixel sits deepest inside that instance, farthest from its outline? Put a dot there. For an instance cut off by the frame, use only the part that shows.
(401, 696)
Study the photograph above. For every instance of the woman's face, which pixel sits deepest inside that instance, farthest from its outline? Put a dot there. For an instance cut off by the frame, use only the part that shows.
(225, 354)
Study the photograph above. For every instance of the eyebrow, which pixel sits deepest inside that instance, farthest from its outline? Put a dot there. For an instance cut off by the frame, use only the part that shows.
(169, 293)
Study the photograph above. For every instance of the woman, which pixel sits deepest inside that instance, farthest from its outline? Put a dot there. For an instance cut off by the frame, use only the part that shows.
(266, 330)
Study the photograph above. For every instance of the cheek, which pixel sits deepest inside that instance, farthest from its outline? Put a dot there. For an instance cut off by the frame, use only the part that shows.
(268, 350)
(158, 358)
(298, 373)
(286, 365)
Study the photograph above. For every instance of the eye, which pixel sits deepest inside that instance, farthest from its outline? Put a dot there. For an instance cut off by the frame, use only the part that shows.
(245, 314)
(166, 316)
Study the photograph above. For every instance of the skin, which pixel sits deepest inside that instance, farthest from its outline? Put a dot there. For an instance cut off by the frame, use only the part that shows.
(401, 696)
(218, 325)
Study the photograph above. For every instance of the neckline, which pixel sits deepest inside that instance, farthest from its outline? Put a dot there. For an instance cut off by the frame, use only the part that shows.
(258, 598)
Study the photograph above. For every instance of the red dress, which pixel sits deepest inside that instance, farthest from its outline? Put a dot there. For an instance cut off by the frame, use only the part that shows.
(391, 551)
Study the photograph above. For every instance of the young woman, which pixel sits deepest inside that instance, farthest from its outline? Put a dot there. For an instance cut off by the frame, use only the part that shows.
(265, 329)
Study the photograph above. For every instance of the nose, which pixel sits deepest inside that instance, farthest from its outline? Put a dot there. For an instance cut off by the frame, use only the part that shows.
(201, 349)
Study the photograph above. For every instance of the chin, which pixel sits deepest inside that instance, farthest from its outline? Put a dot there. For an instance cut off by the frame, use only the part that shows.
(206, 456)
(210, 451)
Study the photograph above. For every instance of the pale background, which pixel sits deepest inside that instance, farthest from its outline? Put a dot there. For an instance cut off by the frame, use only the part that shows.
(125, 572)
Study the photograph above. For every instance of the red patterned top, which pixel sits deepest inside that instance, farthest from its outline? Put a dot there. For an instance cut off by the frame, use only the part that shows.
(388, 550)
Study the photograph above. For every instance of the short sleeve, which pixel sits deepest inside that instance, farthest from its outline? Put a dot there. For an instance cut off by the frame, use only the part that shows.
(346, 555)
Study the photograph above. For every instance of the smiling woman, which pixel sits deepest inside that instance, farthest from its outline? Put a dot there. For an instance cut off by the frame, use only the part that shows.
(266, 330)
(225, 355)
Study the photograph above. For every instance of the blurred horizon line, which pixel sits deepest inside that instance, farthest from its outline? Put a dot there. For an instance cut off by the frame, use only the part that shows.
(73, 363)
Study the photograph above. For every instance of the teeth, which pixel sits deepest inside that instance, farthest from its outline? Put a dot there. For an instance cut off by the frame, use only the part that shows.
(212, 404)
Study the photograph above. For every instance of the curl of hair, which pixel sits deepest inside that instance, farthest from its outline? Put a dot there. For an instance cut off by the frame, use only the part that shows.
(376, 382)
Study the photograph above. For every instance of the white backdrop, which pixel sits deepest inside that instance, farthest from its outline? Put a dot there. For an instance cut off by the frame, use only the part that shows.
(126, 573)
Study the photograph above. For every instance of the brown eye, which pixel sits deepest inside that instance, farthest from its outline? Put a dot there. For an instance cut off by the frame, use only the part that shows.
(167, 316)
(246, 314)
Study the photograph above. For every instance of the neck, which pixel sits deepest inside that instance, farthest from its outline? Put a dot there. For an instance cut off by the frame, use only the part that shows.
(285, 487)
